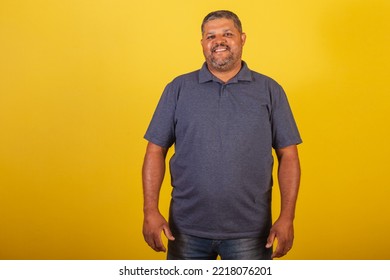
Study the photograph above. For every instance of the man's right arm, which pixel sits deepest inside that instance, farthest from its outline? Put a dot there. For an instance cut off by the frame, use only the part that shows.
(153, 172)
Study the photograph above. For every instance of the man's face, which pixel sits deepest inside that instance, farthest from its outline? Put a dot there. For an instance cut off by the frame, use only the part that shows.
(222, 44)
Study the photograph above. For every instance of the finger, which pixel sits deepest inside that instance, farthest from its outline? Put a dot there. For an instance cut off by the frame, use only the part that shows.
(159, 248)
(154, 241)
(278, 252)
(282, 249)
(270, 240)
(158, 244)
(168, 233)
(149, 240)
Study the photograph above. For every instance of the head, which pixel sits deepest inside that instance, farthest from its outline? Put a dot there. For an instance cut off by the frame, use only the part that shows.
(222, 40)
(222, 14)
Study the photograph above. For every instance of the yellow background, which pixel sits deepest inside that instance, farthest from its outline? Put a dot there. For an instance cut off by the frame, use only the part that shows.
(79, 81)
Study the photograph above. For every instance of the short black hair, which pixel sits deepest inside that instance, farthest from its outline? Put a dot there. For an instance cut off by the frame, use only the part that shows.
(222, 14)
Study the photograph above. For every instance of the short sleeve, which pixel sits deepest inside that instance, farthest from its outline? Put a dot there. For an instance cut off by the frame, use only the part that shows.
(161, 130)
(284, 129)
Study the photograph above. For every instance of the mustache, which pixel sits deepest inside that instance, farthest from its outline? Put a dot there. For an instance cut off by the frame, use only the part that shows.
(220, 45)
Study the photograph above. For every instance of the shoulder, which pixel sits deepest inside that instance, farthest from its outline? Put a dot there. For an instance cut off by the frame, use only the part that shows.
(265, 80)
(268, 86)
(174, 88)
(186, 78)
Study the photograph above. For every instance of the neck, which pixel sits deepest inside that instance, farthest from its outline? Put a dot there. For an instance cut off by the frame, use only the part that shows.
(225, 75)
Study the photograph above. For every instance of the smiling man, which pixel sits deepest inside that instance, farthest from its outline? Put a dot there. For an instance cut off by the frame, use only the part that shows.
(222, 44)
(224, 121)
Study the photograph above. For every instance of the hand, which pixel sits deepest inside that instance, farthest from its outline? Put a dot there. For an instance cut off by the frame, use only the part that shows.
(154, 224)
(283, 231)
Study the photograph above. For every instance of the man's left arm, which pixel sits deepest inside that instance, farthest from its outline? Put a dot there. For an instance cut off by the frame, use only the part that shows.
(289, 173)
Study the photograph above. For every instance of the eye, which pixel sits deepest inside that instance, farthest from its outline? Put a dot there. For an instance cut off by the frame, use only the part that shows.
(210, 37)
(228, 34)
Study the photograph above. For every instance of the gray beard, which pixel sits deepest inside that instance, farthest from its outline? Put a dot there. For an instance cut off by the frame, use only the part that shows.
(222, 65)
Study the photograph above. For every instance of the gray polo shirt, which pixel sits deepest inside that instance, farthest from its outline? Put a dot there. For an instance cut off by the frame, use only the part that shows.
(223, 133)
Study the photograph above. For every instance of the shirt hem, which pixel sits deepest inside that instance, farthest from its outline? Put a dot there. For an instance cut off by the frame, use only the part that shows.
(234, 235)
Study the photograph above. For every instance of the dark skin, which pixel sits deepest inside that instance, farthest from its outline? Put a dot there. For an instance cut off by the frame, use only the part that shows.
(152, 176)
(222, 45)
(289, 174)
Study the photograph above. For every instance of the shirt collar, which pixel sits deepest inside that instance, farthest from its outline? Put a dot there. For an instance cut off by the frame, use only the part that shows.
(245, 74)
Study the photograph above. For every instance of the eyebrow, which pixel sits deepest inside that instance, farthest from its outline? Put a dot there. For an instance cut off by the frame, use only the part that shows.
(213, 32)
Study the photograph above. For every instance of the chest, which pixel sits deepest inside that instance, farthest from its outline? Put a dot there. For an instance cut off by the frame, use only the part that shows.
(230, 106)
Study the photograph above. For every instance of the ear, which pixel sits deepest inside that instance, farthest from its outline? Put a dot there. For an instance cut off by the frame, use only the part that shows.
(243, 38)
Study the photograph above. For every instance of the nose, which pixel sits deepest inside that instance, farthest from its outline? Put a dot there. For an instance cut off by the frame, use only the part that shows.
(219, 39)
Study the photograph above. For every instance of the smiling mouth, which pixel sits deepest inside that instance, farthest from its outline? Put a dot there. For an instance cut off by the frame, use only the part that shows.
(218, 49)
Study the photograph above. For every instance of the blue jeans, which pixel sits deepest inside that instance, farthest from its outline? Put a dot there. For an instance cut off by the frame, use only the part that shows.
(187, 247)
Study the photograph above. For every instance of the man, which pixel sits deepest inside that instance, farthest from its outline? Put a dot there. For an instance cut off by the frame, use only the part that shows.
(224, 120)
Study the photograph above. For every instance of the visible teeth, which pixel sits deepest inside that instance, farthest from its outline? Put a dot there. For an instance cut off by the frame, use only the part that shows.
(220, 50)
